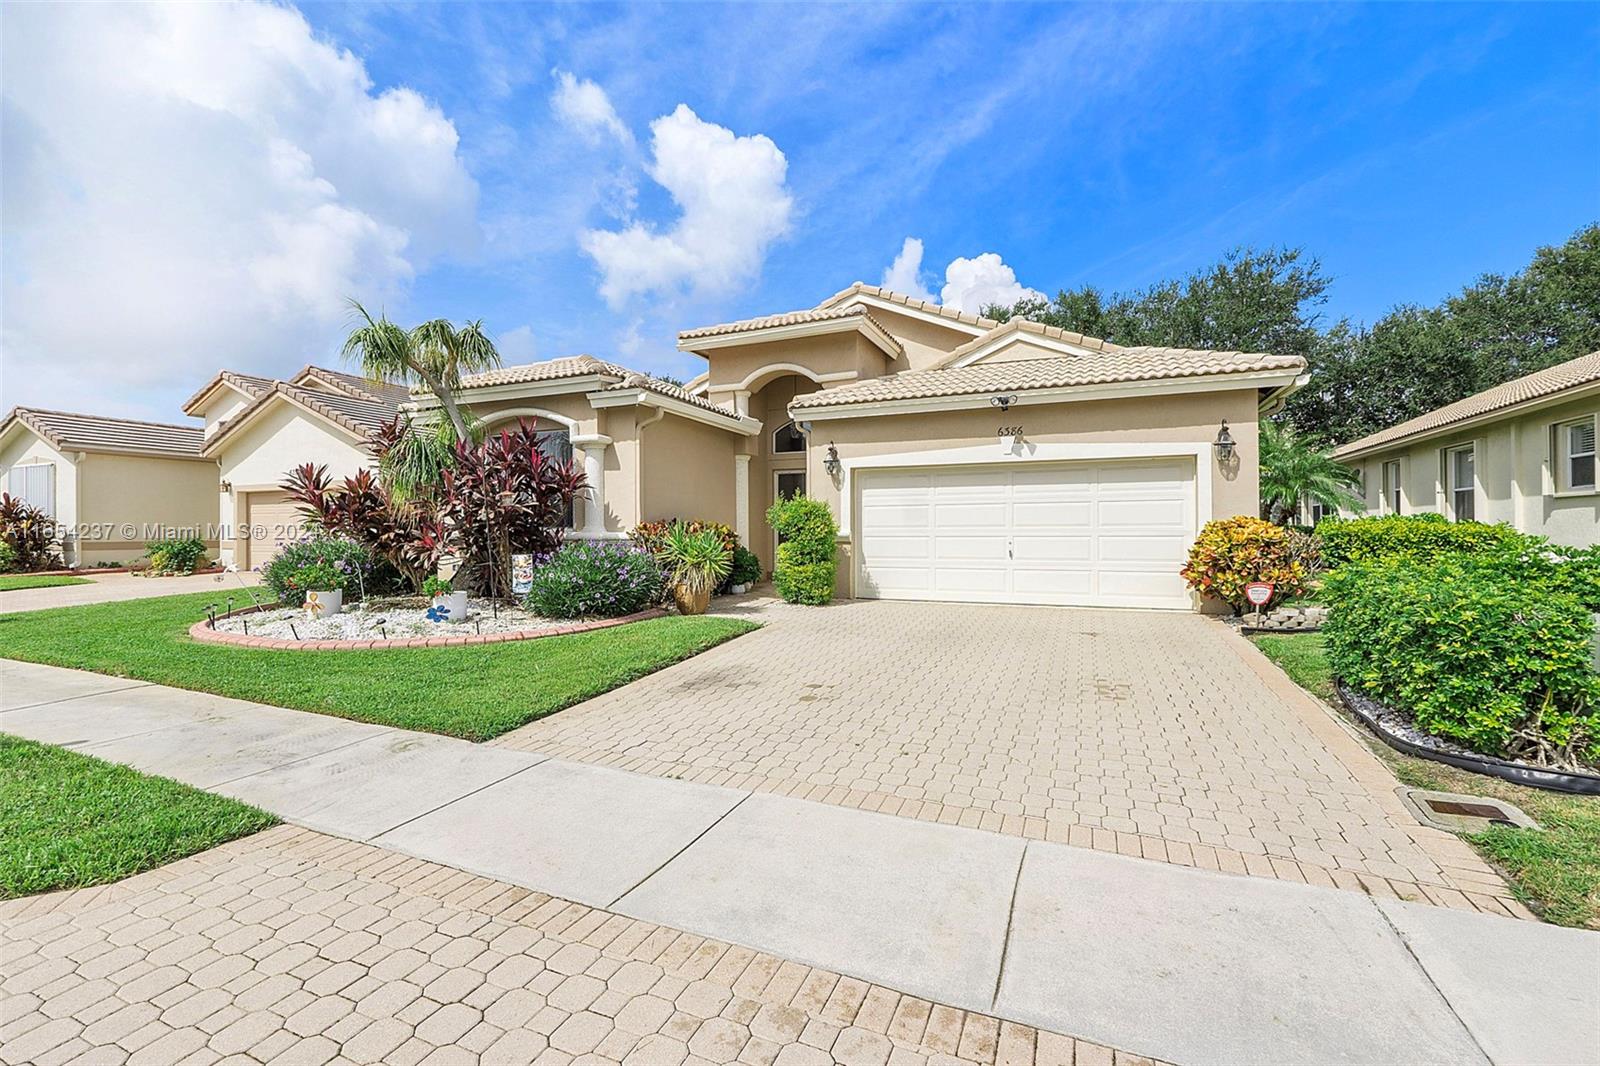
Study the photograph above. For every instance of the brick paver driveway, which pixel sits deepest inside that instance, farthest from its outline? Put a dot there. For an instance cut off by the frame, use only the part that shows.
(1157, 734)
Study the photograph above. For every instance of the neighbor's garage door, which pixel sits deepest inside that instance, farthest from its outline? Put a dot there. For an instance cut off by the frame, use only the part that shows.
(1108, 534)
(272, 520)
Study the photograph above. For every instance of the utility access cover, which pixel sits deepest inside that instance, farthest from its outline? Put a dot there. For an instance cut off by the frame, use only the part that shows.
(1456, 813)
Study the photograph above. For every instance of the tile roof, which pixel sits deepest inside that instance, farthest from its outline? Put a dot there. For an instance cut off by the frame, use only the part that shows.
(385, 391)
(1022, 325)
(910, 302)
(1537, 385)
(69, 432)
(358, 414)
(252, 385)
(1063, 371)
(793, 318)
(585, 366)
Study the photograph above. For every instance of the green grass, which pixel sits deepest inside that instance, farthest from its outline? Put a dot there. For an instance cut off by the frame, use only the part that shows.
(68, 820)
(472, 691)
(13, 582)
(1555, 871)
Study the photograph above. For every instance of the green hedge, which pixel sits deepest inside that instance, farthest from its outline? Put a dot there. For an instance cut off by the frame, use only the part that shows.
(1492, 652)
(1422, 537)
(805, 565)
(176, 555)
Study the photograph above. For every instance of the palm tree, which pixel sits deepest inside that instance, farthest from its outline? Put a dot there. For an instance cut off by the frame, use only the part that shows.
(1295, 469)
(435, 354)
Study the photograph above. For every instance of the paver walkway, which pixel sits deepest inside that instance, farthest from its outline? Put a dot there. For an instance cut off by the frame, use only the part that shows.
(1181, 964)
(1155, 734)
(106, 588)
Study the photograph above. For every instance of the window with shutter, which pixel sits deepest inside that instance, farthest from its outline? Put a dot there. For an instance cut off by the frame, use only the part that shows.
(35, 483)
(1578, 454)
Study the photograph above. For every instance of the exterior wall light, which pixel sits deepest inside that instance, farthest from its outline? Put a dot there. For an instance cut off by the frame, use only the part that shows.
(1224, 444)
(832, 464)
(1003, 402)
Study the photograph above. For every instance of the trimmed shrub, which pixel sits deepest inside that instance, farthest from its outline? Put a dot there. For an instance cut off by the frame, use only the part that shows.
(323, 561)
(1230, 553)
(805, 566)
(1485, 652)
(176, 555)
(1421, 536)
(8, 558)
(584, 579)
(746, 567)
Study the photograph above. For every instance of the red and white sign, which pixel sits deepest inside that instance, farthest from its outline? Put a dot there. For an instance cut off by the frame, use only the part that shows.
(1258, 592)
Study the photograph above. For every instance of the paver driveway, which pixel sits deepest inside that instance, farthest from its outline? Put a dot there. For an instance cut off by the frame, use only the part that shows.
(1150, 733)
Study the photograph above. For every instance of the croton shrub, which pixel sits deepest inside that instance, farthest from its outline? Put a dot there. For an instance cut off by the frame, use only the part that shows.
(1493, 652)
(29, 535)
(1230, 553)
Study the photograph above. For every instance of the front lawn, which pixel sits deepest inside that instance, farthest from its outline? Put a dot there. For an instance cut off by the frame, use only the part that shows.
(471, 691)
(14, 582)
(69, 820)
(1555, 871)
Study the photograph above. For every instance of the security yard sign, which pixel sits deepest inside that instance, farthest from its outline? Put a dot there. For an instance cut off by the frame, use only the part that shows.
(1258, 592)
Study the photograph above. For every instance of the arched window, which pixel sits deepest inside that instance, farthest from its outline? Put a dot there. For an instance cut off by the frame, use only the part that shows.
(786, 438)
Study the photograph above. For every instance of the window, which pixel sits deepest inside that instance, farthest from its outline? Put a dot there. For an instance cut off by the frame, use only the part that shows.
(1391, 486)
(1575, 447)
(35, 484)
(556, 444)
(786, 438)
(1319, 511)
(1459, 477)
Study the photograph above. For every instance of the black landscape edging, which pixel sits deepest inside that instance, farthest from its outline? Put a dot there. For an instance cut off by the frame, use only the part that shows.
(1519, 773)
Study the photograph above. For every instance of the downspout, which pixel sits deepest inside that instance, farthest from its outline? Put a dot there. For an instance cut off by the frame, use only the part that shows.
(638, 477)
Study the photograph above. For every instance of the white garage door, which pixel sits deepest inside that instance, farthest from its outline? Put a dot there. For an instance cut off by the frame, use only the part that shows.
(1110, 534)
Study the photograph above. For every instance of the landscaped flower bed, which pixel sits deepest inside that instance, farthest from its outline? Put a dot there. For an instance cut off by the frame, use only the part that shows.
(383, 620)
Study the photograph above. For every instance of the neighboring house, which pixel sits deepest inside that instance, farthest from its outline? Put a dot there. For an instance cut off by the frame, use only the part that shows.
(258, 429)
(964, 459)
(1522, 452)
(110, 483)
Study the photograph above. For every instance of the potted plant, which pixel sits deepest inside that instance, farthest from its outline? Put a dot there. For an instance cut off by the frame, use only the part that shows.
(448, 604)
(320, 580)
(746, 570)
(697, 562)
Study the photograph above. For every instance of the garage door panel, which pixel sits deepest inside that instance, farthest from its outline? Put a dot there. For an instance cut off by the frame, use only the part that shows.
(1070, 514)
(1061, 549)
(1110, 533)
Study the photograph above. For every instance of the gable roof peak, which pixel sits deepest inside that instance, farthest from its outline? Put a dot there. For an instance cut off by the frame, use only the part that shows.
(910, 303)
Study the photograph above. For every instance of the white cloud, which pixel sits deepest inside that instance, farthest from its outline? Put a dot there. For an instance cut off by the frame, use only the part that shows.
(195, 186)
(585, 107)
(973, 284)
(734, 202)
(517, 345)
(905, 273)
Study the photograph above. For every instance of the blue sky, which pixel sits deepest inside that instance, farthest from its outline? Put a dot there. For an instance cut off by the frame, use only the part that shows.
(1410, 147)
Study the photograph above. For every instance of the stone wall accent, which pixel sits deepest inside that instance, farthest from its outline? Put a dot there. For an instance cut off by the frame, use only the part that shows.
(203, 632)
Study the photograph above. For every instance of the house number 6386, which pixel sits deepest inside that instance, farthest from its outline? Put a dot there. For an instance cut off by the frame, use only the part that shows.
(1009, 431)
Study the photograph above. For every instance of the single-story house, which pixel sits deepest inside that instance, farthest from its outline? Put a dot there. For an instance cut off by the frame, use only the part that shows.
(112, 484)
(258, 429)
(965, 459)
(1522, 452)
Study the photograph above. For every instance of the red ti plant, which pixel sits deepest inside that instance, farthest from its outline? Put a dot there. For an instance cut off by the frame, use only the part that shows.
(410, 535)
(502, 496)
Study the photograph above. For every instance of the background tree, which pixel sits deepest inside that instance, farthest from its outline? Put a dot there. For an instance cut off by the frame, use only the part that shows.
(435, 354)
(1293, 469)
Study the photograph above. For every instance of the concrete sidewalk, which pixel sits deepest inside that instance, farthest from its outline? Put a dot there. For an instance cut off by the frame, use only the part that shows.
(108, 588)
(1176, 963)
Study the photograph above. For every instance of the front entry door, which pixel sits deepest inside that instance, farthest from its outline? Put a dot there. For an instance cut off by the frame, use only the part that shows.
(786, 484)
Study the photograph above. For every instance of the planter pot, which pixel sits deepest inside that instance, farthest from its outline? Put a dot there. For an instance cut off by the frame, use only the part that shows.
(455, 603)
(320, 604)
(689, 603)
(738, 590)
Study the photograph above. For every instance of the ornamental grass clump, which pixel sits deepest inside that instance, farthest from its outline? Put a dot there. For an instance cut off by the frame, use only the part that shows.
(1231, 553)
(584, 580)
(1493, 654)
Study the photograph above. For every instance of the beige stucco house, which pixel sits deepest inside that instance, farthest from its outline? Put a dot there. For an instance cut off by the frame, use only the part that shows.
(1522, 453)
(964, 459)
(258, 429)
(112, 484)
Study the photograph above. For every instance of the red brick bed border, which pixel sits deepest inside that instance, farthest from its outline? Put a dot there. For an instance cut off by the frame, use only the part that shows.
(203, 632)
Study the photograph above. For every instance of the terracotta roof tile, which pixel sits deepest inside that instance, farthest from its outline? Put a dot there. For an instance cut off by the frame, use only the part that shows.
(70, 432)
(585, 366)
(1055, 372)
(909, 302)
(1540, 383)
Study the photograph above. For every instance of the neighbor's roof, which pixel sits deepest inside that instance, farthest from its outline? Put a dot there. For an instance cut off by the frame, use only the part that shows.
(359, 412)
(383, 391)
(575, 366)
(1540, 384)
(1108, 365)
(909, 302)
(69, 432)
